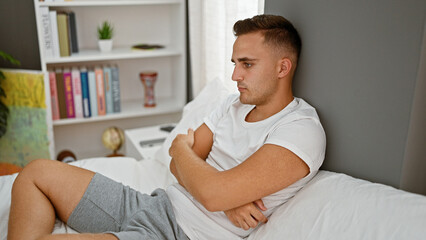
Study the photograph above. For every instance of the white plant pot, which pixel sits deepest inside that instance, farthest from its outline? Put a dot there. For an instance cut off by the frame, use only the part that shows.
(105, 45)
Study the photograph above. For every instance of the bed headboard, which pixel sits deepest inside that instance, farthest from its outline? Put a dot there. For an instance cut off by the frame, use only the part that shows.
(359, 67)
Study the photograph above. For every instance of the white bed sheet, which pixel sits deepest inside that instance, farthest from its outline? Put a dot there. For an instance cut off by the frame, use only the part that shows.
(6, 183)
(331, 206)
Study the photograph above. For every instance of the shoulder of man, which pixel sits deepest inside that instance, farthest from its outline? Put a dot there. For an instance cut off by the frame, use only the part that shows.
(231, 99)
(303, 110)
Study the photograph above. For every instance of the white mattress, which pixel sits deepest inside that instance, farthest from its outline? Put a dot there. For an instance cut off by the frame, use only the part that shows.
(331, 206)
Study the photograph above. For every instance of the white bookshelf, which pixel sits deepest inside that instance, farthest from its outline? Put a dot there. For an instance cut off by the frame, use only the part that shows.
(130, 109)
(135, 22)
(119, 53)
(83, 3)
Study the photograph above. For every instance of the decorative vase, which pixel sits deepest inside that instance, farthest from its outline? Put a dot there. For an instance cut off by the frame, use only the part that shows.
(105, 45)
(148, 80)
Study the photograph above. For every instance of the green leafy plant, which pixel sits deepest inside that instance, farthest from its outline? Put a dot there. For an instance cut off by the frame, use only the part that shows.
(4, 111)
(105, 31)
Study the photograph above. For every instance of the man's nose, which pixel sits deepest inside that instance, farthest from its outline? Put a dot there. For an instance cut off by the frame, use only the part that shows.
(236, 75)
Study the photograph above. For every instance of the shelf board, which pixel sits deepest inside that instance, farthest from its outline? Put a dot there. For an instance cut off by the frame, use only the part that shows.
(89, 55)
(129, 109)
(80, 3)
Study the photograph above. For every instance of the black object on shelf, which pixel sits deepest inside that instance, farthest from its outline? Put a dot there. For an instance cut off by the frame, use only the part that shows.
(147, 46)
(167, 128)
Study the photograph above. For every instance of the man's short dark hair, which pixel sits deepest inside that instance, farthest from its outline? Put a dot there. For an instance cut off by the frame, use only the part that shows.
(279, 33)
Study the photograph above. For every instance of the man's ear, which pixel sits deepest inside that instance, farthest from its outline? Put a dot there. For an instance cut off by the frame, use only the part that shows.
(285, 66)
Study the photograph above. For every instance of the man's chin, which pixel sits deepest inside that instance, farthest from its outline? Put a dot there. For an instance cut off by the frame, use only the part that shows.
(244, 99)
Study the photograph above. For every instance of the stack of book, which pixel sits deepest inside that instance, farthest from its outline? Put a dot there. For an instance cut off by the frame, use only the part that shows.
(83, 93)
(59, 32)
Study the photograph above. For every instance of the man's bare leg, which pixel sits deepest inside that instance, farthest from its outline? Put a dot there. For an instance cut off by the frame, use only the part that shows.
(45, 189)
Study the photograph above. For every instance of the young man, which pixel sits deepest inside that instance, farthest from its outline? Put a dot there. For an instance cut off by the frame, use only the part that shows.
(249, 157)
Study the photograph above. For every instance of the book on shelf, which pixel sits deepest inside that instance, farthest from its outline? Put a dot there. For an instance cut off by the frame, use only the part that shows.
(93, 95)
(72, 32)
(76, 87)
(61, 93)
(115, 87)
(69, 96)
(108, 90)
(54, 96)
(85, 92)
(46, 32)
(55, 39)
(100, 89)
(63, 34)
(82, 92)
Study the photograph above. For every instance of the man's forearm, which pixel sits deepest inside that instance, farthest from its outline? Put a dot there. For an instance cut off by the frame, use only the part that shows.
(173, 170)
(194, 174)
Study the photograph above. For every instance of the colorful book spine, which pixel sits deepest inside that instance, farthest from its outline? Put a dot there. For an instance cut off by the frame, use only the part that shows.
(93, 93)
(116, 98)
(77, 95)
(54, 96)
(64, 47)
(100, 89)
(82, 92)
(108, 90)
(47, 32)
(61, 93)
(55, 37)
(69, 98)
(85, 92)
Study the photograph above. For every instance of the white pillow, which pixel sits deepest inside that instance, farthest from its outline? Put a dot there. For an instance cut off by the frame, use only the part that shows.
(337, 206)
(193, 113)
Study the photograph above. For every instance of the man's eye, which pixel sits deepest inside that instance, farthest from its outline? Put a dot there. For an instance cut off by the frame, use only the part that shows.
(247, 65)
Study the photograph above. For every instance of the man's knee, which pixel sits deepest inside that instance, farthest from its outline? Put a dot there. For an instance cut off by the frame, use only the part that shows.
(37, 167)
(32, 171)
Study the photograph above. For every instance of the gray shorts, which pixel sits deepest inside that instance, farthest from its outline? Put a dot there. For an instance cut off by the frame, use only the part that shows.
(110, 207)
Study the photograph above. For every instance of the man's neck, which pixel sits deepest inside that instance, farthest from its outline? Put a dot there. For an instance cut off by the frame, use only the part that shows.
(264, 111)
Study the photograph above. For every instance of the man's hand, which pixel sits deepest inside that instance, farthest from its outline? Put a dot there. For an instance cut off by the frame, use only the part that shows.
(182, 140)
(247, 216)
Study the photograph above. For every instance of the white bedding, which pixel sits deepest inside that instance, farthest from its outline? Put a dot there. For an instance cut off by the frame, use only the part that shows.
(331, 206)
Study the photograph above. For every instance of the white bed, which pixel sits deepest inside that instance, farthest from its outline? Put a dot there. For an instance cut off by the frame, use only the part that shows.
(331, 206)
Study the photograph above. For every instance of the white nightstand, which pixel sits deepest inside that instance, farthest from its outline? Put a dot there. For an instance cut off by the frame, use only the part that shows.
(143, 143)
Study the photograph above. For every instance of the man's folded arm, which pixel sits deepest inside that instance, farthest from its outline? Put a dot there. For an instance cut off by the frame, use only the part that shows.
(267, 171)
(203, 142)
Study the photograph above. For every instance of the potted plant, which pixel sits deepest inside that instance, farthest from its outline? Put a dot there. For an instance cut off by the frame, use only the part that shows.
(105, 34)
(4, 111)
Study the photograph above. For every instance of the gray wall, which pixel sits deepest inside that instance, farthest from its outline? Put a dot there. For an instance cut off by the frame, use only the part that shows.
(414, 168)
(359, 67)
(18, 33)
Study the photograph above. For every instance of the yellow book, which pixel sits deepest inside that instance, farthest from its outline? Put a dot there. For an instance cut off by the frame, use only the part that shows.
(64, 47)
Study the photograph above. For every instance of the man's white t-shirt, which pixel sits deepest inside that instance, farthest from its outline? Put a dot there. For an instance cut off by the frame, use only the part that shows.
(296, 128)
